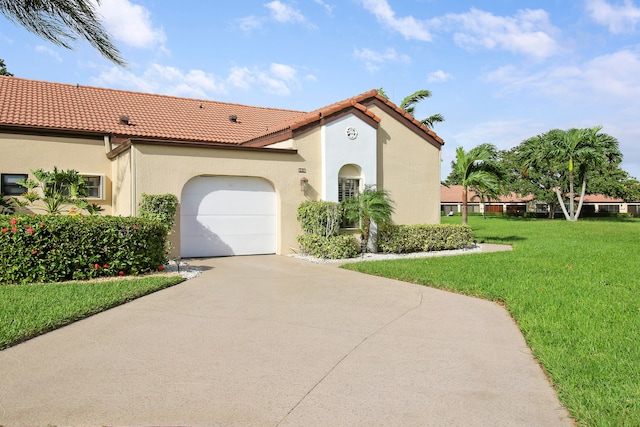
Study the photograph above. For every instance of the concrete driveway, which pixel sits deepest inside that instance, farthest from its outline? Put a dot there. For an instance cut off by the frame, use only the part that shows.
(275, 341)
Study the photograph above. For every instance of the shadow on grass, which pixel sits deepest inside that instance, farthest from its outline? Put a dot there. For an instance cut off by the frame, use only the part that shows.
(502, 239)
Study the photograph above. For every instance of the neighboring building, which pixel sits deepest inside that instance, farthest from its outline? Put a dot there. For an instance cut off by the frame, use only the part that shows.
(239, 172)
(451, 202)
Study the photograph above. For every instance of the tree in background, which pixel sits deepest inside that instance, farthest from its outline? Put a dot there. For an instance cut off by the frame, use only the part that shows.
(408, 104)
(538, 180)
(61, 22)
(475, 170)
(3, 69)
(558, 158)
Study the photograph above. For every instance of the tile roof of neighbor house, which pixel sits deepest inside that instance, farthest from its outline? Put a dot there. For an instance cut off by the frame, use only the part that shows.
(453, 194)
(55, 106)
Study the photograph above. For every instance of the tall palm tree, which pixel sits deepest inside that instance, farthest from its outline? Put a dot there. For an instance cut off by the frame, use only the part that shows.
(408, 104)
(569, 155)
(473, 170)
(61, 22)
(370, 208)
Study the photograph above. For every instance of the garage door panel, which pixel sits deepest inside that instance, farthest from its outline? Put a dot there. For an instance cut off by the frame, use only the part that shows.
(225, 202)
(227, 216)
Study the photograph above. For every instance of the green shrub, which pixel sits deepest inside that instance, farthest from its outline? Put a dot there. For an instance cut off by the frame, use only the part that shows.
(423, 237)
(161, 207)
(320, 218)
(51, 248)
(7, 205)
(329, 247)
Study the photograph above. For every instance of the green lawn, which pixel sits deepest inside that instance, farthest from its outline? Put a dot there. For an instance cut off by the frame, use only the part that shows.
(573, 288)
(30, 310)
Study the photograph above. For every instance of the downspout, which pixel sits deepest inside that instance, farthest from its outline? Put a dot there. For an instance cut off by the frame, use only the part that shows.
(107, 144)
(134, 194)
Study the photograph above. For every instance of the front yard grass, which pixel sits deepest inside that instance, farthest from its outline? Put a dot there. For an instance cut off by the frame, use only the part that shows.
(573, 289)
(30, 310)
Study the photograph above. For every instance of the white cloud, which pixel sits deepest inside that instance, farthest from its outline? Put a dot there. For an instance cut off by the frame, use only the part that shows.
(612, 78)
(408, 26)
(284, 13)
(438, 77)
(48, 51)
(249, 23)
(130, 23)
(618, 19)
(374, 60)
(277, 79)
(328, 7)
(528, 32)
(163, 79)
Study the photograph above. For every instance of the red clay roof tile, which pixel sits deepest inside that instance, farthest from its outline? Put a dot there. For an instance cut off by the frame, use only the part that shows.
(38, 104)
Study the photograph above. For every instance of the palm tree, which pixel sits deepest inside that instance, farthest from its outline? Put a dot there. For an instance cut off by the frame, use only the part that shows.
(408, 104)
(473, 170)
(370, 208)
(61, 22)
(3, 69)
(569, 155)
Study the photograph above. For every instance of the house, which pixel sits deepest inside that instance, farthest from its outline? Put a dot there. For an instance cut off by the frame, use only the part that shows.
(451, 202)
(240, 172)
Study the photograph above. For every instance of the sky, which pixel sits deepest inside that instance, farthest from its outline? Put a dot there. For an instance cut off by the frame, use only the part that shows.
(499, 71)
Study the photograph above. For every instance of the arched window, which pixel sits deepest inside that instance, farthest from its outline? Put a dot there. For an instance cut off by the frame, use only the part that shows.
(349, 181)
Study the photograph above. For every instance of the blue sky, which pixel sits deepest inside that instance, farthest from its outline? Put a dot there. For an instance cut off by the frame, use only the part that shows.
(500, 71)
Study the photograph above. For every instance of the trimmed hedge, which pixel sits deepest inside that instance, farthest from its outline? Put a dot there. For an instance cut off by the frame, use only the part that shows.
(53, 248)
(320, 217)
(423, 237)
(332, 247)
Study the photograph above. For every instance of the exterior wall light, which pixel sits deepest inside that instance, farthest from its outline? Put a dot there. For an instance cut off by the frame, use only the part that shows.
(304, 183)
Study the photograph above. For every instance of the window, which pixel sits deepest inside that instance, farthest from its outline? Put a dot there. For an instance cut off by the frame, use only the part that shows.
(609, 208)
(348, 187)
(9, 184)
(94, 186)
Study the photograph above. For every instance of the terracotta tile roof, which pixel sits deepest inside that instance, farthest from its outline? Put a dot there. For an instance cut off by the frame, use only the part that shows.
(453, 194)
(57, 106)
(356, 102)
(600, 198)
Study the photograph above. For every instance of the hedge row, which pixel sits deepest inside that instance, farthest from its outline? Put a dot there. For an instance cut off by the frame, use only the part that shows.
(423, 237)
(53, 248)
(329, 247)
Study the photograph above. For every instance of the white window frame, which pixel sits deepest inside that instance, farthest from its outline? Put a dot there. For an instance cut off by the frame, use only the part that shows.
(358, 187)
(100, 186)
(341, 196)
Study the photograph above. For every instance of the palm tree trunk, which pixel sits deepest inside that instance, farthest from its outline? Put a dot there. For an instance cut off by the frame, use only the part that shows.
(582, 193)
(564, 208)
(572, 195)
(464, 205)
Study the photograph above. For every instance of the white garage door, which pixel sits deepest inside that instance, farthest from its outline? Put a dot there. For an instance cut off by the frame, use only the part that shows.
(225, 215)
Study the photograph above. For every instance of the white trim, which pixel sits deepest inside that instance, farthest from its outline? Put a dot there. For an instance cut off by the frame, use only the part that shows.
(101, 186)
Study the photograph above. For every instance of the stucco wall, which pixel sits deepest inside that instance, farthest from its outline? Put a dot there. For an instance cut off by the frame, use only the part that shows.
(166, 169)
(339, 150)
(24, 153)
(409, 168)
